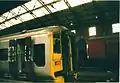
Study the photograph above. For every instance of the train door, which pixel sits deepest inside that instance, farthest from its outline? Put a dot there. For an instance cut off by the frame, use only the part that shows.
(57, 50)
(12, 57)
(28, 56)
(65, 56)
(57, 58)
(19, 53)
(69, 54)
(65, 43)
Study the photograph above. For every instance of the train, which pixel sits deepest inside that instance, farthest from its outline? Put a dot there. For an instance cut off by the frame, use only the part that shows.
(40, 54)
(51, 54)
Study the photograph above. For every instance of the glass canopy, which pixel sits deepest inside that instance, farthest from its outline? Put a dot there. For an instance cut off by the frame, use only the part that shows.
(34, 9)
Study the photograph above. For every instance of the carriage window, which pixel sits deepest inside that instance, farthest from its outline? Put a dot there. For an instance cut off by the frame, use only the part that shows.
(39, 54)
(4, 54)
(57, 43)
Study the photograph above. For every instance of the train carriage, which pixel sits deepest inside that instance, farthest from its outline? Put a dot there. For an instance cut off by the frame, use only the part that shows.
(37, 53)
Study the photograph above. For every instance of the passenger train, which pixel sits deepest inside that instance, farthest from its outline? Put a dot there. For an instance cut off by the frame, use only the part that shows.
(43, 53)
(50, 54)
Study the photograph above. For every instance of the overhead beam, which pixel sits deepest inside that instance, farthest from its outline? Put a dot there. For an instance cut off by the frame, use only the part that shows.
(32, 10)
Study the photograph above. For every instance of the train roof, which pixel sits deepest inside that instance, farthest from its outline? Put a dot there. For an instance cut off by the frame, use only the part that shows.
(35, 31)
(49, 29)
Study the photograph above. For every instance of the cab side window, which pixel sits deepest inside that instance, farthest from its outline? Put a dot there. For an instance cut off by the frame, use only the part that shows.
(39, 54)
(56, 43)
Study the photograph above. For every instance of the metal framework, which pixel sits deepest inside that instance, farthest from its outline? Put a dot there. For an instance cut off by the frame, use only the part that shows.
(43, 4)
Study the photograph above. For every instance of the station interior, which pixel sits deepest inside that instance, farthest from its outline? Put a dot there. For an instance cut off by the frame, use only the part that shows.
(93, 25)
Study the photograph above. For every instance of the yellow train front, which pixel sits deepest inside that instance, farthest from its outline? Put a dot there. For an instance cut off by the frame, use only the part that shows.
(40, 54)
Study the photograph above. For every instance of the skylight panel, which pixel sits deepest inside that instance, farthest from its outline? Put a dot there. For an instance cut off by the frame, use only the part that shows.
(7, 24)
(39, 12)
(32, 4)
(44, 11)
(78, 2)
(15, 21)
(22, 10)
(2, 19)
(27, 17)
(37, 4)
(58, 6)
(19, 10)
(10, 15)
(5, 15)
(16, 10)
(52, 8)
(2, 27)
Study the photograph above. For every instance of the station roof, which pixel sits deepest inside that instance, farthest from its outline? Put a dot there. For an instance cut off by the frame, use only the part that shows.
(69, 13)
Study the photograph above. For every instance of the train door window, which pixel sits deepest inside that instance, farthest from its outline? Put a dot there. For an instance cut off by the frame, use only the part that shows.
(4, 54)
(39, 54)
(56, 43)
(28, 48)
